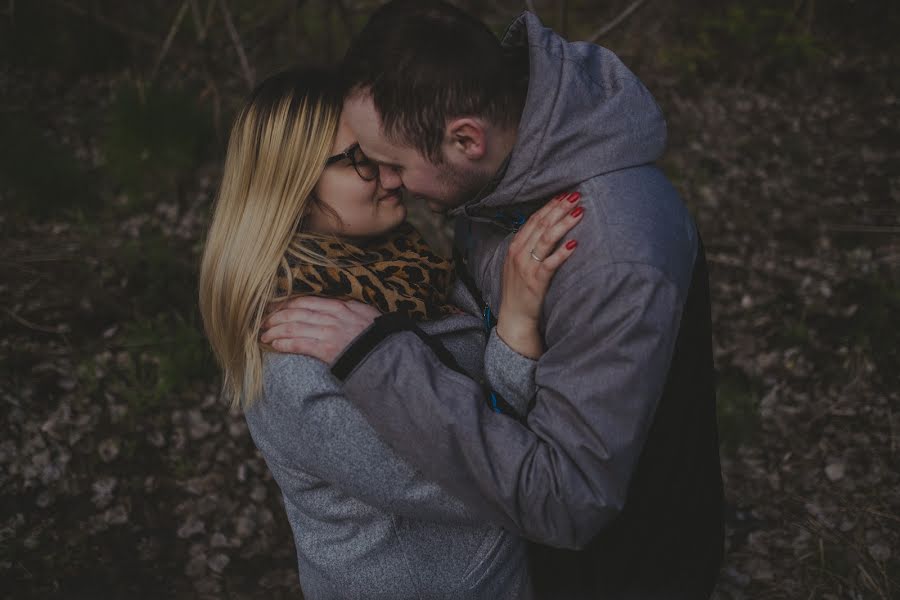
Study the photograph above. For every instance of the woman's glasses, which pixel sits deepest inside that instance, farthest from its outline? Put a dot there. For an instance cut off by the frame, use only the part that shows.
(366, 168)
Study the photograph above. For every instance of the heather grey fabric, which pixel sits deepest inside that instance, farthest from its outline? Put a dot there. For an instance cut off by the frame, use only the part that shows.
(610, 319)
(509, 373)
(366, 524)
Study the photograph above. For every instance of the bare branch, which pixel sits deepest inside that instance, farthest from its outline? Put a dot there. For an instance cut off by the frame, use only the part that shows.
(617, 21)
(238, 45)
(167, 44)
(197, 18)
(140, 36)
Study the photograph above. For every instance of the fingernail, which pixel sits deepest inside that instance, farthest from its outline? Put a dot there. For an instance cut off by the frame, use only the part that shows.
(577, 212)
(574, 197)
(571, 244)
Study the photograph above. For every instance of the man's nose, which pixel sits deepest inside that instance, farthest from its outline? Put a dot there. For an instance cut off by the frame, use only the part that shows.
(388, 178)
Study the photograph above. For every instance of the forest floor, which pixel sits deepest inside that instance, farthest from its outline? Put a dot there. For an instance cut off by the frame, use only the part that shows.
(122, 473)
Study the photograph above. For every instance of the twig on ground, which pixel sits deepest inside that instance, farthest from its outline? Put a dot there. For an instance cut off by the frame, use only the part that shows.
(862, 229)
(617, 21)
(23, 321)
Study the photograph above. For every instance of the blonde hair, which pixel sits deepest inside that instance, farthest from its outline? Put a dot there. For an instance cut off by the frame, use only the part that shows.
(276, 152)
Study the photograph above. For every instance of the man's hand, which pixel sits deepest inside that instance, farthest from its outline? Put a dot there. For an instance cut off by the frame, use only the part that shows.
(317, 327)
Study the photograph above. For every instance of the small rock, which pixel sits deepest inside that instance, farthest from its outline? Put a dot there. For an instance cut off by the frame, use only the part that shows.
(258, 494)
(835, 471)
(103, 491)
(219, 540)
(198, 427)
(237, 429)
(117, 515)
(737, 577)
(117, 412)
(244, 527)
(191, 527)
(218, 562)
(108, 449)
(156, 438)
(41, 459)
(880, 552)
(31, 542)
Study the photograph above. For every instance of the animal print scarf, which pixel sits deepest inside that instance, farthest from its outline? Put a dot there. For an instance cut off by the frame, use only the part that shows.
(397, 272)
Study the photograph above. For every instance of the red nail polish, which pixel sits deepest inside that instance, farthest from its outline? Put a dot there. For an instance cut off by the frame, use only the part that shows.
(571, 244)
(574, 197)
(577, 212)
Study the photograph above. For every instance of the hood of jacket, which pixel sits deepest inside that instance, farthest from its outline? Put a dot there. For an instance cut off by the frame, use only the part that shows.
(585, 114)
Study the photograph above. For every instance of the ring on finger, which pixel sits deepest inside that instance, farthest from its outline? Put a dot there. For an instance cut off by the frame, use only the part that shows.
(535, 256)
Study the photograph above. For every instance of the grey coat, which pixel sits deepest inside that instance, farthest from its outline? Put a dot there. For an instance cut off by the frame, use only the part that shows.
(367, 524)
(618, 457)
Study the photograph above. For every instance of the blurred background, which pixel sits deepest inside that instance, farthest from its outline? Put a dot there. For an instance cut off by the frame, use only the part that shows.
(122, 473)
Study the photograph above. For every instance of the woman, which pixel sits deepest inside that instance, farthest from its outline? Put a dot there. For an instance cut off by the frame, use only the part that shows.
(301, 212)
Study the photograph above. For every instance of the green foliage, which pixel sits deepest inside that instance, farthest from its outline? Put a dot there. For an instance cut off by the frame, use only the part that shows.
(167, 351)
(161, 276)
(154, 136)
(40, 179)
(167, 354)
(760, 40)
(737, 405)
(874, 324)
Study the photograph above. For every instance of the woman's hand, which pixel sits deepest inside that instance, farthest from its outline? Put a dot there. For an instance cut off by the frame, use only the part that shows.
(531, 261)
(317, 327)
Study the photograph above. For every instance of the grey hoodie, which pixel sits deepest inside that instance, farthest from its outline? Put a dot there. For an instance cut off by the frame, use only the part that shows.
(619, 455)
(366, 524)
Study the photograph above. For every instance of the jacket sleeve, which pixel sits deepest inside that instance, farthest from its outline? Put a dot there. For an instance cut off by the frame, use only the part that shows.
(305, 424)
(509, 374)
(562, 476)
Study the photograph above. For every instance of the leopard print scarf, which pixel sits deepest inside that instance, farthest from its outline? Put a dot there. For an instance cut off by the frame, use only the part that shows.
(397, 272)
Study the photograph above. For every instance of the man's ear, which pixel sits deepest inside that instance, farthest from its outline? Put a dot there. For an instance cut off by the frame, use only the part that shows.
(466, 137)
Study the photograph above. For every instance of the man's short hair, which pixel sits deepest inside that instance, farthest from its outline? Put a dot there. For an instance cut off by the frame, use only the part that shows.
(425, 62)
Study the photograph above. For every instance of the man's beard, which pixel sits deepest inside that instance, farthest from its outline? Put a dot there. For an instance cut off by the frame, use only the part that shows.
(461, 185)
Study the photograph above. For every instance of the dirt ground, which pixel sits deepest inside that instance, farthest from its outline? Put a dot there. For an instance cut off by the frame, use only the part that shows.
(122, 473)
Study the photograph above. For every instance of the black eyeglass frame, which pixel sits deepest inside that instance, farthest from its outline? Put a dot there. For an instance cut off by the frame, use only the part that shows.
(348, 154)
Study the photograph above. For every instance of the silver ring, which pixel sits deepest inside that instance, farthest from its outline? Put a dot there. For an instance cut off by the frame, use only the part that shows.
(534, 256)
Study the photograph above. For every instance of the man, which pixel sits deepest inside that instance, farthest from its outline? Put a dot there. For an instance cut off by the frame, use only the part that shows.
(614, 471)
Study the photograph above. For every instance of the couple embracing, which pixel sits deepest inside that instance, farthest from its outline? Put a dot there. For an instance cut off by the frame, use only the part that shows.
(534, 418)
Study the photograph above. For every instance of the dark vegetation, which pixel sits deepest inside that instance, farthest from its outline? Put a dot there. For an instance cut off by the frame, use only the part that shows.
(123, 475)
